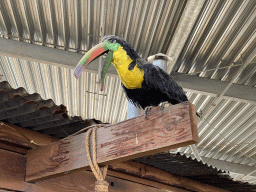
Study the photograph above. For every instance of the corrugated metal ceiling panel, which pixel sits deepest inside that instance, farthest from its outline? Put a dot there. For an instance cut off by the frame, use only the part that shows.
(76, 25)
(196, 170)
(223, 36)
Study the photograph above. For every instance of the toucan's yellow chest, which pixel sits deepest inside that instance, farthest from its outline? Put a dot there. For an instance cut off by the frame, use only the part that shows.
(132, 79)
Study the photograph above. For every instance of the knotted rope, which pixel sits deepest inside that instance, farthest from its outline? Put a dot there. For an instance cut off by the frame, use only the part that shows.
(100, 185)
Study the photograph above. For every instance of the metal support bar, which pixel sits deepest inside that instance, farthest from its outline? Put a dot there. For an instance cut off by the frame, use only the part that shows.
(69, 59)
(216, 101)
(248, 60)
(214, 88)
(46, 55)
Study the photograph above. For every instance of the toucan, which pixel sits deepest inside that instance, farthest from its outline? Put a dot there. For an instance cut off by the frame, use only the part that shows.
(144, 84)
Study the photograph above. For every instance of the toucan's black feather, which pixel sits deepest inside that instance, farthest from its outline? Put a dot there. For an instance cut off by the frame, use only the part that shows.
(157, 87)
(132, 65)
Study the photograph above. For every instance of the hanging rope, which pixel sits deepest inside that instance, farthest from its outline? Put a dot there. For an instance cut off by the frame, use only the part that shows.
(100, 185)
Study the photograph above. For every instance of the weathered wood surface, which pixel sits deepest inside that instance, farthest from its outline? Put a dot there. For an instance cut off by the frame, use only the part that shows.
(163, 130)
(12, 166)
(11, 134)
(82, 181)
(12, 147)
(130, 168)
(13, 185)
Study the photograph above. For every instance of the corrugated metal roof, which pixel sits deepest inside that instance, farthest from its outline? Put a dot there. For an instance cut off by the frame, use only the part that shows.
(31, 111)
(81, 97)
(184, 166)
(223, 36)
(179, 164)
(76, 25)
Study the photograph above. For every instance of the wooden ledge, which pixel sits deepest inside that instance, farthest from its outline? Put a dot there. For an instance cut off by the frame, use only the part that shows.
(164, 129)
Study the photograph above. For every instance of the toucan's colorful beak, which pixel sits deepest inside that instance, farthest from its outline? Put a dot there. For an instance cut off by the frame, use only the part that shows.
(92, 54)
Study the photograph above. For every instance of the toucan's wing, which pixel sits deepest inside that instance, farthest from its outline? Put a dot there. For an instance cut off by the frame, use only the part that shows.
(160, 80)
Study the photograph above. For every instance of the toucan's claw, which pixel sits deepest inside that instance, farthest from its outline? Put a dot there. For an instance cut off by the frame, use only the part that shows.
(162, 105)
(147, 111)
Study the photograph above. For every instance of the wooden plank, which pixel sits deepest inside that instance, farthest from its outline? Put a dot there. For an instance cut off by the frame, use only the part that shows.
(12, 134)
(22, 186)
(192, 114)
(164, 129)
(132, 168)
(12, 147)
(12, 165)
(85, 181)
(144, 181)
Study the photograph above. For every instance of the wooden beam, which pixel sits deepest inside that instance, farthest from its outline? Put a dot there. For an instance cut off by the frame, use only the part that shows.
(12, 172)
(12, 165)
(15, 135)
(13, 147)
(131, 168)
(144, 181)
(22, 186)
(164, 129)
(85, 181)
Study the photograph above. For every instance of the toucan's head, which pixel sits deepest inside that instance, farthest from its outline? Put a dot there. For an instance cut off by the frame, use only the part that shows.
(108, 45)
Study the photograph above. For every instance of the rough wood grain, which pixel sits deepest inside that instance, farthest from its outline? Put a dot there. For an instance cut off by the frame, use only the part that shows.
(163, 130)
(13, 147)
(192, 113)
(12, 166)
(22, 186)
(82, 181)
(11, 133)
(131, 168)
